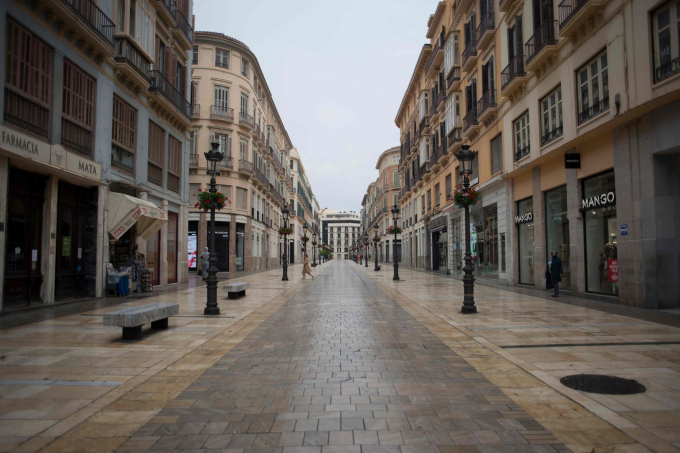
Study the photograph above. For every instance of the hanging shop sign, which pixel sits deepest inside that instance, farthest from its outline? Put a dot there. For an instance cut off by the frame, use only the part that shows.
(524, 218)
(599, 201)
(572, 160)
(437, 224)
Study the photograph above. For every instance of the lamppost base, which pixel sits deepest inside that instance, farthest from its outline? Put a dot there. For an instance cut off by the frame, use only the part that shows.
(284, 279)
(395, 278)
(467, 309)
(211, 311)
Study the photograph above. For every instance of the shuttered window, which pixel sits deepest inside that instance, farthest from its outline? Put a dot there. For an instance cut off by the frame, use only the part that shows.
(241, 198)
(124, 135)
(78, 110)
(156, 153)
(496, 154)
(174, 163)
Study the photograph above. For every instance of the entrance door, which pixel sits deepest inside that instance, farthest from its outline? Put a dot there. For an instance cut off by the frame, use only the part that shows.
(491, 238)
(291, 253)
(25, 198)
(435, 251)
(222, 246)
(153, 248)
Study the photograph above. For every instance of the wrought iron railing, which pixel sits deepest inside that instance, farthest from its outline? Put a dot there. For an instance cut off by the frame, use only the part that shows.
(488, 100)
(470, 119)
(122, 159)
(193, 160)
(522, 152)
(26, 114)
(454, 76)
(594, 110)
(514, 69)
(244, 165)
(244, 118)
(170, 6)
(544, 35)
(437, 48)
(76, 137)
(93, 17)
(551, 135)
(159, 84)
(455, 135)
(567, 9)
(666, 70)
(485, 24)
(195, 109)
(126, 52)
(183, 24)
(227, 162)
(222, 112)
(470, 50)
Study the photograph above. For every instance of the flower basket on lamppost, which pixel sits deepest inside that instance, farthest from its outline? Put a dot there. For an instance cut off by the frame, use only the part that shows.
(209, 201)
(314, 249)
(464, 197)
(395, 230)
(376, 241)
(285, 231)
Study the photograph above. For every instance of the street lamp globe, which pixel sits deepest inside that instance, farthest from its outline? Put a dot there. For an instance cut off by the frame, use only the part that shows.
(213, 157)
(465, 157)
(285, 213)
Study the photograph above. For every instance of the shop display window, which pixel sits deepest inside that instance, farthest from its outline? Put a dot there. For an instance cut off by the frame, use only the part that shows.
(525, 234)
(557, 230)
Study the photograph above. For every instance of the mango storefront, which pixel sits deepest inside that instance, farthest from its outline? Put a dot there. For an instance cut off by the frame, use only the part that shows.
(50, 233)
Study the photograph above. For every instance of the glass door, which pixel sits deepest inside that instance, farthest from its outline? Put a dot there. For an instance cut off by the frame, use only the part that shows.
(172, 247)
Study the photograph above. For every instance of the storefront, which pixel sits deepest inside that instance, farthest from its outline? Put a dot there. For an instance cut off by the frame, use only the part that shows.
(221, 245)
(439, 231)
(600, 231)
(489, 246)
(192, 245)
(525, 244)
(557, 231)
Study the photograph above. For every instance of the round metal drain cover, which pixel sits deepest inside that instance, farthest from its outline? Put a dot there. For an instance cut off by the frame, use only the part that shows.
(606, 385)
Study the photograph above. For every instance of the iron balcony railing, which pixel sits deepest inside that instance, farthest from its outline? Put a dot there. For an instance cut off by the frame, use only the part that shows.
(544, 35)
(184, 25)
(485, 24)
(594, 110)
(222, 112)
(470, 50)
(227, 162)
(455, 135)
(244, 118)
(453, 77)
(127, 53)
(76, 137)
(94, 18)
(551, 135)
(193, 160)
(666, 70)
(470, 119)
(433, 55)
(244, 165)
(424, 123)
(567, 9)
(196, 109)
(159, 84)
(488, 100)
(522, 152)
(439, 99)
(170, 6)
(514, 69)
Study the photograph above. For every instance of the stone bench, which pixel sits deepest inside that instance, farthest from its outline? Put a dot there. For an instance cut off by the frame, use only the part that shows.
(133, 318)
(235, 290)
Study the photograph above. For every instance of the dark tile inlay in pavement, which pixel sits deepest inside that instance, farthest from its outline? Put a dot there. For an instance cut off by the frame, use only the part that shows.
(339, 365)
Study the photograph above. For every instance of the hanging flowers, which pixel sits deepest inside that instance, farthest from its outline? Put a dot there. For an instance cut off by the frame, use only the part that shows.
(464, 198)
(285, 230)
(394, 230)
(208, 200)
(304, 239)
(313, 242)
(377, 239)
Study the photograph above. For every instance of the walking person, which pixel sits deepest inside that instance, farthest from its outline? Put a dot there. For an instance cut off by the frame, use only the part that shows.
(205, 262)
(554, 273)
(305, 268)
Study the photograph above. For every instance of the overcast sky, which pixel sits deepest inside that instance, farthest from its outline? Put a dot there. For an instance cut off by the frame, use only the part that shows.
(337, 72)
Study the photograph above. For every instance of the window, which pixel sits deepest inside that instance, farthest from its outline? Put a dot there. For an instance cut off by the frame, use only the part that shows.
(174, 163)
(551, 116)
(521, 128)
(244, 67)
(244, 103)
(225, 143)
(222, 58)
(77, 110)
(221, 107)
(423, 105)
(241, 198)
(144, 32)
(593, 88)
(194, 55)
(123, 135)
(395, 199)
(28, 77)
(437, 194)
(396, 182)
(424, 151)
(666, 23)
(496, 154)
(449, 187)
(448, 55)
(193, 193)
(243, 150)
(193, 139)
(156, 154)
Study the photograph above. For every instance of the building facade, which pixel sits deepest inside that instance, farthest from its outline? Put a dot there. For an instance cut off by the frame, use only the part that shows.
(339, 231)
(559, 143)
(232, 106)
(303, 209)
(381, 196)
(93, 156)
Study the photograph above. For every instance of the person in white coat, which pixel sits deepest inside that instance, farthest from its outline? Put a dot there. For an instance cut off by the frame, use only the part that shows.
(205, 262)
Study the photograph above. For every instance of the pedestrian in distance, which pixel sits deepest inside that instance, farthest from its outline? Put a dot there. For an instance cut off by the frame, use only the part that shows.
(554, 273)
(205, 262)
(306, 269)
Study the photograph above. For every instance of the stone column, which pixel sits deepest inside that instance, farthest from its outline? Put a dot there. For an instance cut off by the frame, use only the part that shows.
(248, 246)
(49, 239)
(163, 249)
(232, 243)
(540, 262)
(576, 246)
(4, 182)
(512, 257)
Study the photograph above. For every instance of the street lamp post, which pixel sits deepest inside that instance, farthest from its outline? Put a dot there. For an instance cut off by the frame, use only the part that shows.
(466, 156)
(395, 217)
(313, 249)
(366, 248)
(213, 157)
(375, 249)
(285, 213)
(304, 234)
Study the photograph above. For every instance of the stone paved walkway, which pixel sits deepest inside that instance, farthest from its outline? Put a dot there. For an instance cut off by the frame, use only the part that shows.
(343, 367)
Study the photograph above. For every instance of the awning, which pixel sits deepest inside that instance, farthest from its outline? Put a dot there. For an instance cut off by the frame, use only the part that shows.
(125, 211)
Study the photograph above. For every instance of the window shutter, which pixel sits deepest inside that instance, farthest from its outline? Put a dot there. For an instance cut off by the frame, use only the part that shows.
(492, 81)
(485, 78)
(518, 35)
(511, 44)
(183, 81)
(166, 62)
(173, 69)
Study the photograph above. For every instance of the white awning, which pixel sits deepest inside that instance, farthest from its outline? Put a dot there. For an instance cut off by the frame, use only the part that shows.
(125, 211)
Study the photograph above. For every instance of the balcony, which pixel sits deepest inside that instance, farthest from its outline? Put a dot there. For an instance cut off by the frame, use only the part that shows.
(26, 114)
(485, 30)
(666, 70)
(574, 14)
(505, 5)
(183, 32)
(196, 110)
(469, 55)
(453, 79)
(167, 10)
(513, 76)
(193, 160)
(246, 120)
(132, 65)
(463, 5)
(86, 19)
(221, 113)
(436, 58)
(439, 152)
(470, 122)
(439, 100)
(424, 125)
(245, 166)
(541, 46)
(486, 106)
(227, 163)
(550, 136)
(454, 139)
(523, 152)
(168, 95)
(594, 110)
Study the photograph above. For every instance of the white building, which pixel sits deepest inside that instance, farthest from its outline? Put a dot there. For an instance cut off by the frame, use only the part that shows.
(340, 230)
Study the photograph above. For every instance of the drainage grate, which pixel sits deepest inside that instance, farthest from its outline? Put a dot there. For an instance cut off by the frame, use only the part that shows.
(606, 385)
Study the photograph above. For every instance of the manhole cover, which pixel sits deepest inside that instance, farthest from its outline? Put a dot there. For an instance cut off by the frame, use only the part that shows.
(607, 385)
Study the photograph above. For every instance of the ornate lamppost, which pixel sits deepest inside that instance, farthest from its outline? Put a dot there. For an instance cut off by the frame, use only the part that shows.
(314, 249)
(366, 248)
(465, 157)
(285, 213)
(304, 235)
(395, 218)
(213, 157)
(375, 248)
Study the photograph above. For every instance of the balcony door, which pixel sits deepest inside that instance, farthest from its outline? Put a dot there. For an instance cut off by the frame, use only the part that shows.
(244, 103)
(543, 11)
(221, 99)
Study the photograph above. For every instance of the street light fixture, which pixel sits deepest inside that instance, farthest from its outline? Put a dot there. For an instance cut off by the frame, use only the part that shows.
(213, 157)
(395, 218)
(375, 241)
(465, 157)
(285, 213)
